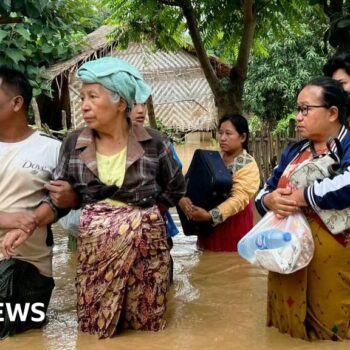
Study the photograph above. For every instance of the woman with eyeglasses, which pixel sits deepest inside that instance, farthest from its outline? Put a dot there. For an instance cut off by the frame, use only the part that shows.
(313, 303)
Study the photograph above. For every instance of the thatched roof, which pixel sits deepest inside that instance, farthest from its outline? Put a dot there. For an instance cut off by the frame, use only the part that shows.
(97, 41)
(181, 94)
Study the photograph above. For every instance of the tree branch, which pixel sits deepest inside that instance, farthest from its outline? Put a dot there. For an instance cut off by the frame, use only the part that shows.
(184, 4)
(9, 20)
(202, 55)
(247, 39)
(170, 2)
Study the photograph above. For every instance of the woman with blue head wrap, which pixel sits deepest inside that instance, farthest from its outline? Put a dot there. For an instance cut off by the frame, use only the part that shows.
(125, 177)
(117, 76)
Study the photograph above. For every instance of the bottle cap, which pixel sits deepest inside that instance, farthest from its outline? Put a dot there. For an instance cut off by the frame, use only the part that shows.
(287, 236)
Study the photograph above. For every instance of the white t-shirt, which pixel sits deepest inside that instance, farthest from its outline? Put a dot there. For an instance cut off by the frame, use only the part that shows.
(25, 167)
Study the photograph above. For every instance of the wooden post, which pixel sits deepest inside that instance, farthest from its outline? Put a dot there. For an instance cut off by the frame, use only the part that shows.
(151, 114)
(64, 119)
(291, 129)
(36, 112)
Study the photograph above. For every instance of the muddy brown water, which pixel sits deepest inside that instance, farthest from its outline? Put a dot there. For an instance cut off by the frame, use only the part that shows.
(217, 301)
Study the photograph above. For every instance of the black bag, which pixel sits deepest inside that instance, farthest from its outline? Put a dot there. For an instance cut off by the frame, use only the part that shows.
(209, 183)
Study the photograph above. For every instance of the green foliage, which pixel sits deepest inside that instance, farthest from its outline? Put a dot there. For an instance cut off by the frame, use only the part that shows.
(35, 34)
(172, 134)
(283, 124)
(215, 26)
(220, 23)
(255, 124)
(274, 80)
(138, 21)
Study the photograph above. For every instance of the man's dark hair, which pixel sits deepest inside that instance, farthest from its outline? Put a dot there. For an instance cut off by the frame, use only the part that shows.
(14, 82)
(340, 61)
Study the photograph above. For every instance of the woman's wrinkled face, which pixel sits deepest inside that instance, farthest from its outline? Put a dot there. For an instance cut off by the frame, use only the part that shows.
(343, 78)
(229, 139)
(316, 122)
(97, 105)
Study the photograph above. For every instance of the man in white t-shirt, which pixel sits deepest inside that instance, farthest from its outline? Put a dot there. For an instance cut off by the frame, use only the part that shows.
(27, 160)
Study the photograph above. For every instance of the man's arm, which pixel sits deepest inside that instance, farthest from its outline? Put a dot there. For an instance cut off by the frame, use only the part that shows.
(44, 216)
(26, 221)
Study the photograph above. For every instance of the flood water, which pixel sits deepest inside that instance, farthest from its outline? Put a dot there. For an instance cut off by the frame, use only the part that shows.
(217, 302)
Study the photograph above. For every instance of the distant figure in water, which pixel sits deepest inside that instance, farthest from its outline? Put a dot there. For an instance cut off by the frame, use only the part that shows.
(233, 218)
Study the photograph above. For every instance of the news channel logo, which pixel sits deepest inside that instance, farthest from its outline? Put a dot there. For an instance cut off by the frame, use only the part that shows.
(22, 311)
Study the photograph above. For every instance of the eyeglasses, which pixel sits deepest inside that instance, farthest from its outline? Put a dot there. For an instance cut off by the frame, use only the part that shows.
(304, 109)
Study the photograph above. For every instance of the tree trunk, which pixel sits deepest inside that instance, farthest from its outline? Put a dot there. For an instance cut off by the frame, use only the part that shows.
(202, 56)
(227, 103)
(151, 114)
(230, 100)
(239, 72)
(35, 108)
(223, 99)
(10, 20)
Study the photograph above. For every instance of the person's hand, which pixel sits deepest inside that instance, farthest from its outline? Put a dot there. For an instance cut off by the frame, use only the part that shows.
(297, 195)
(281, 202)
(26, 221)
(186, 206)
(12, 240)
(200, 214)
(62, 194)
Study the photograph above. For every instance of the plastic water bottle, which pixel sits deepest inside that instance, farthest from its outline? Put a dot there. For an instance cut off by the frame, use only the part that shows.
(270, 239)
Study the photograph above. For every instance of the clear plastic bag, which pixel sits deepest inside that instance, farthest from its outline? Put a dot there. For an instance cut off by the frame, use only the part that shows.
(291, 256)
(71, 222)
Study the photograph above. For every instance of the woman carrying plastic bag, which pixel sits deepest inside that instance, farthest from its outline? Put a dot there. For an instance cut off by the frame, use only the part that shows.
(313, 302)
(278, 245)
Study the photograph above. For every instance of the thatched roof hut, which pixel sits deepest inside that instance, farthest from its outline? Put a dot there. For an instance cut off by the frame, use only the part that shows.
(181, 95)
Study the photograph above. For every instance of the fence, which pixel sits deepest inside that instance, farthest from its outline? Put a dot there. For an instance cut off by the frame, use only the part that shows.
(266, 148)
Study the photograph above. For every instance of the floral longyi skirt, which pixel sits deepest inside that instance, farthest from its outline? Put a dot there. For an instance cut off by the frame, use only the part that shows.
(122, 269)
(314, 303)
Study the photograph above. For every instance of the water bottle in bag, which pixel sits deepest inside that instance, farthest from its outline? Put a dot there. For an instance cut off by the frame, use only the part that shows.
(272, 239)
(269, 239)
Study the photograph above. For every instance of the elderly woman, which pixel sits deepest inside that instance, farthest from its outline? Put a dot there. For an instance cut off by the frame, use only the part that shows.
(313, 302)
(232, 218)
(125, 177)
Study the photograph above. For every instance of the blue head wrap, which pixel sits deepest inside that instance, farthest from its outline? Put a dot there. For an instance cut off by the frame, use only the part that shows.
(116, 75)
